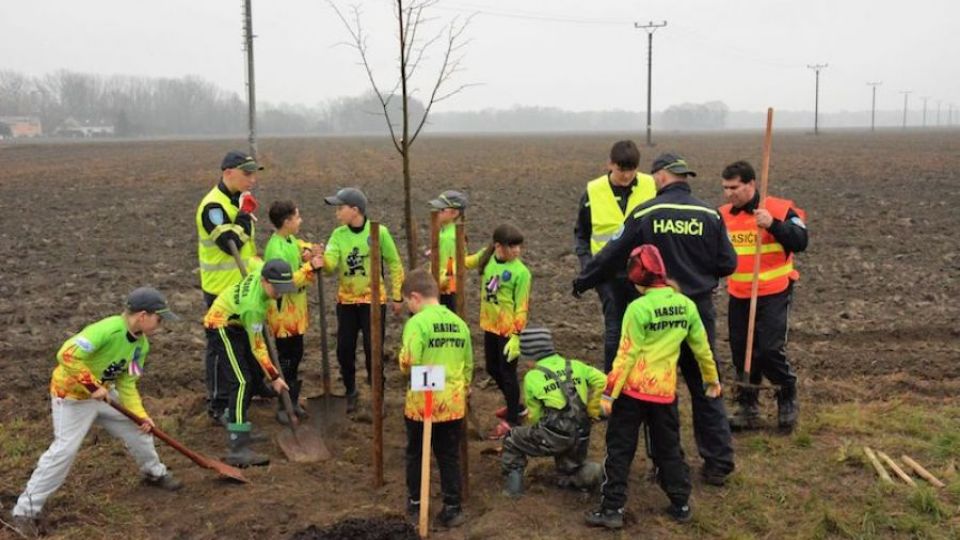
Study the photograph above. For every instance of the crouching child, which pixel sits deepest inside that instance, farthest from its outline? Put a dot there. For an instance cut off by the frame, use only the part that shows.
(435, 336)
(562, 397)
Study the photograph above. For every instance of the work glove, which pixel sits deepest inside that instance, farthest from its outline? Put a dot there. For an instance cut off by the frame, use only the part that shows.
(512, 349)
(248, 204)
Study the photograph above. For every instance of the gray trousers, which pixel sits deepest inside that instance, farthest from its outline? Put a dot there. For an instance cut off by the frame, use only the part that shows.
(565, 438)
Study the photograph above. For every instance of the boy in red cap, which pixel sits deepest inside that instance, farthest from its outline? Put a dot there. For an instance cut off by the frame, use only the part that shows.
(641, 388)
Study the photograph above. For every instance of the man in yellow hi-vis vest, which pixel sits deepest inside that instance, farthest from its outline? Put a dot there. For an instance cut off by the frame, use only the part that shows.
(603, 207)
(224, 215)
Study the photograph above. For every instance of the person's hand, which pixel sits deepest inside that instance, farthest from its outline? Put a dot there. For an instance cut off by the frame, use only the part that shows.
(764, 219)
(100, 393)
(248, 203)
(146, 424)
(713, 390)
(316, 262)
(606, 406)
(396, 307)
(279, 385)
(512, 349)
(576, 290)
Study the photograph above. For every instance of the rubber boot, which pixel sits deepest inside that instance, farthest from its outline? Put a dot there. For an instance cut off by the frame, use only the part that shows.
(352, 402)
(747, 415)
(605, 517)
(513, 484)
(240, 454)
(451, 516)
(295, 399)
(787, 408)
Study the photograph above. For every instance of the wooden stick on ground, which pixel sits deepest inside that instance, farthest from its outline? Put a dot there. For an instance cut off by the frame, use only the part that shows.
(896, 468)
(921, 471)
(877, 466)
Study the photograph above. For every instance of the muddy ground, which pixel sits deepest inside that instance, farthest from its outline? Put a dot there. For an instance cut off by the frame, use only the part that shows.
(875, 317)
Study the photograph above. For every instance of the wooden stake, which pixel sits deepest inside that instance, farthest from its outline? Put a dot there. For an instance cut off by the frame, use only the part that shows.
(921, 471)
(376, 353)
(755, 286)
(435, 245)
(896, 469)
(877, 466)
(460, 282)
(425, 464)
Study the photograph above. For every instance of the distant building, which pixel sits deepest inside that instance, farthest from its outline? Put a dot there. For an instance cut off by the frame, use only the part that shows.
(20, 126)
(72, 128)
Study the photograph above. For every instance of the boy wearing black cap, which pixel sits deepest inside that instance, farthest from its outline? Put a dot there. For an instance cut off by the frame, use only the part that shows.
(103, 361)
(451, 205)
(244, 307)
(641, 388)
(562, 397)
(347, 253)
(225, 215)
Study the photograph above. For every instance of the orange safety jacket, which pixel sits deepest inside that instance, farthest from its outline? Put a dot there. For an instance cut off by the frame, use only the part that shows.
(776, 263)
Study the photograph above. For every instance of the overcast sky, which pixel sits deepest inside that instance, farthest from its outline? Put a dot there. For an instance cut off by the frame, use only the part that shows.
(573, 54)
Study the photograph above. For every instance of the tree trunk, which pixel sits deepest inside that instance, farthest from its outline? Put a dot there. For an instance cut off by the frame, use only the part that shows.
(405, 145)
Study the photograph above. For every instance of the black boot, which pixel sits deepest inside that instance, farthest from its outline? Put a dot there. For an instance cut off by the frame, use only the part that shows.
(240, 454)
(787, 408)
(605, 517)
(747, 415)
(352, 402)
(451, 516)
(295, 399)
(681, 513)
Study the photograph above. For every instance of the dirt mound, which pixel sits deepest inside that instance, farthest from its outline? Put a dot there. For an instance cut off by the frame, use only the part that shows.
(383, 528)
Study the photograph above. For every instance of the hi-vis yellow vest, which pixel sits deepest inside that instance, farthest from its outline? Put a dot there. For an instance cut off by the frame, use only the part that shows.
(605, 215)
(218, 270)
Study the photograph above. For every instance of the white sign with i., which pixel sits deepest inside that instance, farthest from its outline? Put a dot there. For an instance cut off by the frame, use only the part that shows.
(427, 378)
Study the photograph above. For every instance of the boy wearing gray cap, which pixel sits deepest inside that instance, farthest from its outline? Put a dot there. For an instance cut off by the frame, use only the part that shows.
(562, 396)
(103, 361)
(451, 205)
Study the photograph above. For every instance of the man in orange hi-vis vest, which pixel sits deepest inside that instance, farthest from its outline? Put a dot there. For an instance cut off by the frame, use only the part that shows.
(784, 232)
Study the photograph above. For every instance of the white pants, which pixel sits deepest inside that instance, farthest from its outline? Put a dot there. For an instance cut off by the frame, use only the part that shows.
(72, 420)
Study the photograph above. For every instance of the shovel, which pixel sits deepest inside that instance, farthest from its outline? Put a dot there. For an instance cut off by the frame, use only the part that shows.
(221, 468)
(328, 408)
(302, 444)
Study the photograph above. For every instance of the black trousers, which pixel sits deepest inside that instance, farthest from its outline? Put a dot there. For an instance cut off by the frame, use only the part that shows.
(237, 368)
(351, 320)
(662, 425)
(449, 300)
(503, 373)
(769, 338)
(445, 443)
(216, 390)
(290, 352)
(711, 428)
(615, 295)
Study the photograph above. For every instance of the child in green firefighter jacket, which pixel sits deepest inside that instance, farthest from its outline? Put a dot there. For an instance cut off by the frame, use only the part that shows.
(562, 398)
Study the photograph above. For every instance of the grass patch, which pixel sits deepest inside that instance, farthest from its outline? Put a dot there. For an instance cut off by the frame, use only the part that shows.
(947, 445)
(924, 500)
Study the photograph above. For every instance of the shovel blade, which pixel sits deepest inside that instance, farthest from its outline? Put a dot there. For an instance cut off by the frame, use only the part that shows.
(227, 471)
(305, 445)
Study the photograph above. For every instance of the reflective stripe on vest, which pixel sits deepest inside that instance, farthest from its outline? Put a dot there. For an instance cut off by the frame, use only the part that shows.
(776, 265)
(606, 218)
(218, 270)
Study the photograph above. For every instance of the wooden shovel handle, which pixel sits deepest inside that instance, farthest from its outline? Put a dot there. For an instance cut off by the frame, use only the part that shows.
(160, 434)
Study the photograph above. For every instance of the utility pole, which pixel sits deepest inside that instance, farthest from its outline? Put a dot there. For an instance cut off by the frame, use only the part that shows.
(650, 28)
(816, 97)
(251, 87)
(938, 112)
(906, 93)
(925, 98)
(873, 104)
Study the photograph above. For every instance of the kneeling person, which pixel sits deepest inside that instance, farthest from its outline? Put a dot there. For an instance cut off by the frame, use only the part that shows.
(562, 397)
(435, 336)
(102, 362)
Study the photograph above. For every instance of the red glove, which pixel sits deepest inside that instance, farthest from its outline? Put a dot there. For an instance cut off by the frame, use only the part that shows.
(248, 204)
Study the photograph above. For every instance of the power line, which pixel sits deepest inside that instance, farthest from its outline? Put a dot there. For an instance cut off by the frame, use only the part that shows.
(526, 15)
(873, 104)
(816, 97)
(650, 28)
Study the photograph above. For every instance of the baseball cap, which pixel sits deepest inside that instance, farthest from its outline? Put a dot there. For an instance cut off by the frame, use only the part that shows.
(152, 301)
(350, 197)
(536, 343)
(673, 163)
(278, 273)
(450, 199)
(239, 160)
(646, 267)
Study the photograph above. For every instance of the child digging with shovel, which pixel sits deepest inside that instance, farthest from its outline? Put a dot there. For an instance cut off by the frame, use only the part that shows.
(103, 361)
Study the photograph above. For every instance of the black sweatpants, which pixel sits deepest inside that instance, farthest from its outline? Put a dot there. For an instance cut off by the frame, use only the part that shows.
(711, 428)
(449, 300)
(290, 352)
(662, 426)
(216, 392)
(351, 320)
(615, 295)
(445, 442)
(503, 373)
(236, 371)
(769, 338)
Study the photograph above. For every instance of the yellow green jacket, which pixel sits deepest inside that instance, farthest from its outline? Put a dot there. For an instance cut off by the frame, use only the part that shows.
(104, 353)
(654, 327)
(540, 392)
(290, 316)
(347, 254)
(504, 295)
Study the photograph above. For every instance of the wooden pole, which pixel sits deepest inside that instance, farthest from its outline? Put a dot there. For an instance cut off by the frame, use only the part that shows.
(755, 286)
(435, 245)
(877, 466)
(896, 468)
(425, 464)
(460, 282)
(376, 359)
(921, 471)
